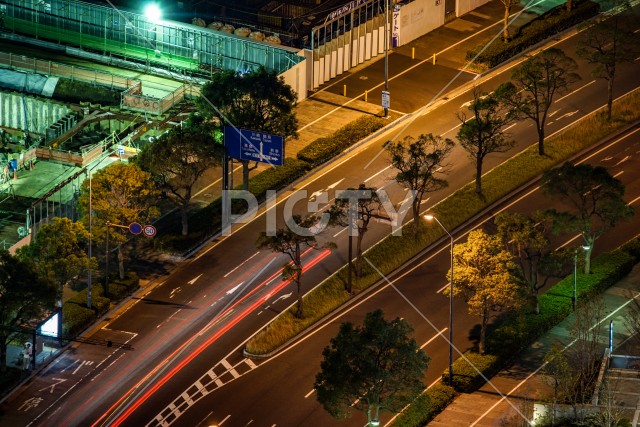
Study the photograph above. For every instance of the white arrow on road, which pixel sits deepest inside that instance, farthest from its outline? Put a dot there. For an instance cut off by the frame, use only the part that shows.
(282, 297)
(335, 184)
(192, 281)
(232, 290)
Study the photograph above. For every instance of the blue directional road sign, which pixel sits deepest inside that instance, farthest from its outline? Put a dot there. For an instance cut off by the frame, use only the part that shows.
(252, 145)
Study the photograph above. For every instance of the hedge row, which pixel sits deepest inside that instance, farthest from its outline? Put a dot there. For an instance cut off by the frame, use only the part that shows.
(549, 24)
(324, 149)
(425, 407)
(523, 328)
(76, 316)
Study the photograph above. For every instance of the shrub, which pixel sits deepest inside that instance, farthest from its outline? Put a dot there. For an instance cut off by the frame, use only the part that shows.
(277, 178)
(323, 149)
(552, 22)
(75, 318)
(466, 378)
(425, 407)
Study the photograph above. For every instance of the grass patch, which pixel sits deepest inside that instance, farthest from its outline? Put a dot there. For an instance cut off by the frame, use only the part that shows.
(392, 251)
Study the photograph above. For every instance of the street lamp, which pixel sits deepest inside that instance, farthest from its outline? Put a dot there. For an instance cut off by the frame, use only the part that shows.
(429, 218)
(575, 274)
(386, 56)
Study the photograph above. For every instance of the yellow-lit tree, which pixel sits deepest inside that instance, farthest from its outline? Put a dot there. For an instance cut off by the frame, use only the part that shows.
(484, 277)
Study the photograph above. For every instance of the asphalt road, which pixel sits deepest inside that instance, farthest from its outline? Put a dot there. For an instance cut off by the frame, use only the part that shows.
(192, 327)
(280, 391)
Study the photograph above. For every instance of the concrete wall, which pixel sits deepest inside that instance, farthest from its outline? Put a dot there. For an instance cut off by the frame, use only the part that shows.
(464, 6)
(19, 111)
(417, 18)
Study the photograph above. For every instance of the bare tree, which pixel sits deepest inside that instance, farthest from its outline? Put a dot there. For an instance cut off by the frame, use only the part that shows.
(483, 133)
(608, 42)
(420, 162)
(535, 84)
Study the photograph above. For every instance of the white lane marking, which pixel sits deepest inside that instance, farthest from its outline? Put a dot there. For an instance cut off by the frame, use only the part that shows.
(452, 129)
(571, 93)
(74, 362)
(230, 368)
(439, 334)
(224, 419)
(442, 289)
(340, 232)
(313, 390)
(377, 173)
(509, 127)
(241, 264)
(623, 160)
(192, 281)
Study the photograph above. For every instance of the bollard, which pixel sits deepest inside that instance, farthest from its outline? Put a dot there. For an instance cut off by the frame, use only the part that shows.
(365, 95)
(344, 90)
(413, 53)
(434, 59)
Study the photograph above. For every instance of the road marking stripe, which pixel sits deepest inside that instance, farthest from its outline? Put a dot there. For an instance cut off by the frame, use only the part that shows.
(571, 93)
(230, 368)
(250, 363)
(439, 334)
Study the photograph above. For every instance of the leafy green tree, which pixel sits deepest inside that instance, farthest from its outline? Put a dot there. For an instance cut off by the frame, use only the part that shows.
(292, 243)
(482, 134)
(356, 214)
(178, 159)
(527, 239)
(484, 277)
(120, 194)
(59, 252)
(608, 42)
(257, 100)
(24, 296)
(535, 84)
(420, 162)
(596, 199)
(373, 368)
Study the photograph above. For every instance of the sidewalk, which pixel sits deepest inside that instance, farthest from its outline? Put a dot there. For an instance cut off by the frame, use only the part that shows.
(523, 381)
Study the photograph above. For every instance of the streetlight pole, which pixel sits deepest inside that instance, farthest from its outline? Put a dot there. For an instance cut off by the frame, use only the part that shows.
(89, 252)
(386, 53)
(429, 218)
(575, 274)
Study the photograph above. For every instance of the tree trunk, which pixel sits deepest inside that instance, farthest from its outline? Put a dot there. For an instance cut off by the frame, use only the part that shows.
(3, 353)
(349, 287)
(569, 5)
(541, 139)
(299, 313)
(245, 175)
(609, 98)
(587, 259)
(483, 332)
(507, 12)
(359, 252)
(120, 261)
(479, 176)
(416, 214)
(184, 216)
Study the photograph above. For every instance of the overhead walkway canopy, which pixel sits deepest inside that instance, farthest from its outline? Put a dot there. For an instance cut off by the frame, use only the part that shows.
(130, 35)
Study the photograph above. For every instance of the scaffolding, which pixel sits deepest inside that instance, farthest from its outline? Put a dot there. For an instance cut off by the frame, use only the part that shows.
(114, 32)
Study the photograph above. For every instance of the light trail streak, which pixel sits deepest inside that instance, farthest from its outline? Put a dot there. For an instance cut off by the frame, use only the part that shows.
(202, 347)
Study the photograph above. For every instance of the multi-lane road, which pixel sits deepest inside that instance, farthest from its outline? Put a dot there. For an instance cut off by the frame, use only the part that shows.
(188, 332)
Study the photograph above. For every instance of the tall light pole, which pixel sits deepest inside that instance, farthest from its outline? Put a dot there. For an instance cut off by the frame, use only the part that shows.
(575, 274)
(429, 218)
(386, 58)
